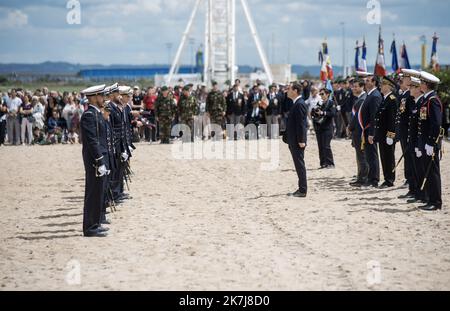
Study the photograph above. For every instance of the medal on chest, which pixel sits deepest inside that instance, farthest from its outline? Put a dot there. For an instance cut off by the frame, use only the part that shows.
(423, 113)
(403, 105)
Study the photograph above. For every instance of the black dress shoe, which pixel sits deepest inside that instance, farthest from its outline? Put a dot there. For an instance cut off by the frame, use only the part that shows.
(106, 222)
(409, 195)
(330, 167)
(102, 229)
(94, 233)
(386, 185)
(413, 201)
(430, 207)
(357, 184)
(298, 194)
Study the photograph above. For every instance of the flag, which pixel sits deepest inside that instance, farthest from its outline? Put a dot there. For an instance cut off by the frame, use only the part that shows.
(357, 57)
(404, 59)
(364, 57)
(434, 56)
(326, 71)
(380, 67)
(394, 57)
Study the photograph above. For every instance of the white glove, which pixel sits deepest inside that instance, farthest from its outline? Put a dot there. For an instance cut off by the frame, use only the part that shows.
(124, 156)
(102, 171)
(389, 141)
(131, 149)
(418, 153)
(429, 150)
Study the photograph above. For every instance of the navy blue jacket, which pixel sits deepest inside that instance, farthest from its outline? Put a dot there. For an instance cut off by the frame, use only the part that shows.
(368, 112)
(297, 124)
(430, 121)
(94, 138)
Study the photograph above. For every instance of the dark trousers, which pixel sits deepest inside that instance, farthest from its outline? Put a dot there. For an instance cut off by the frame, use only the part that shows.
(361, 161)
(387, 156)
(94, 200)
(419, 172)
(433, 184)
(117, 180)
(324, 143)
(409, 172)
(298, 155)
(2, 132)
(371, 153)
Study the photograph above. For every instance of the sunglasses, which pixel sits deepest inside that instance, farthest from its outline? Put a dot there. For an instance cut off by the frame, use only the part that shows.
(322, 94)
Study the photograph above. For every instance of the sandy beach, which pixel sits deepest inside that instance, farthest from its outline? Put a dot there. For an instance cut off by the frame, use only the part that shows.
(217, 225)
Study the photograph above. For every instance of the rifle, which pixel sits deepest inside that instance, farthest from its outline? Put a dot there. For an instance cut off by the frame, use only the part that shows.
(112, 203)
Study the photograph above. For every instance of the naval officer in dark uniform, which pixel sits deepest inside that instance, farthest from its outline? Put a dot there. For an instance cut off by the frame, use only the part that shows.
(111, 163)
(296, 136)
(405, 108)
(95, 150)
(385, 130)
(430, 139)
(120, 145)
(418, 165)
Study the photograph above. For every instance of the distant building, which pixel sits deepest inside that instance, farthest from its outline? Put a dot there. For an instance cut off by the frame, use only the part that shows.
(132, 73)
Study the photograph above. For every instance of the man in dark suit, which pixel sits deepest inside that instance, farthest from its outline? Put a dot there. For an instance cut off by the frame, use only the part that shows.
(385, 130)
(355, 131)
(367, 115)
(297, 136)
(273, 111)
(95, 155)
(235, 107)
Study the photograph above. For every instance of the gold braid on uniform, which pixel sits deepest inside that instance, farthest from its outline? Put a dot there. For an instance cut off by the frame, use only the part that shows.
(391, 135)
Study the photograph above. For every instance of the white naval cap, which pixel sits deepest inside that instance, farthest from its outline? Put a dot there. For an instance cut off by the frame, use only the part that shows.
(364, 74)
(124, 90)
(428, 77)
(95, 90)
(415, 81)
(114, 88)
(411, 73)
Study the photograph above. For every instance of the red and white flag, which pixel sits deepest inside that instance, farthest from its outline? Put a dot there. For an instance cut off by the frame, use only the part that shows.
(380, 66)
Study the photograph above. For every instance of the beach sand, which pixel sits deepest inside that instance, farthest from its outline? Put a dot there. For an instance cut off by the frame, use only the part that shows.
(217, 225)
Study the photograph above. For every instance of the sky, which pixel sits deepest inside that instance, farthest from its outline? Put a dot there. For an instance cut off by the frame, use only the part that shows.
(137, 32)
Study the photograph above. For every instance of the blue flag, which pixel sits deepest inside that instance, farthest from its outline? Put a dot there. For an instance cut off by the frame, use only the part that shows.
(394, 57)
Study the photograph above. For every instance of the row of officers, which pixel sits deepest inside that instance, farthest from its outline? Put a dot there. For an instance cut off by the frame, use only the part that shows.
(386, 112)
(106, 134)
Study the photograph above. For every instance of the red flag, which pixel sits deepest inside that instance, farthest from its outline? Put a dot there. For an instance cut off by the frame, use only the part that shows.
(380, 66)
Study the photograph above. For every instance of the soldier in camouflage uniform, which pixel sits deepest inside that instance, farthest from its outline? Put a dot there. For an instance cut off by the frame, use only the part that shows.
(187, 109)
(216, 107)
(165, 109)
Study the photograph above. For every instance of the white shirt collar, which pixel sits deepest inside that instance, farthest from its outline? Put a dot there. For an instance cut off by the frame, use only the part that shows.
(387, 95)
(418, 98)
(360, 95)
(428, 94)
(297, 99)
(95, 107)
(371, 91)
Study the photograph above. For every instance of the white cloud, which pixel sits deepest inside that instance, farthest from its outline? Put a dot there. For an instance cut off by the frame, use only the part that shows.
(14, 19)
